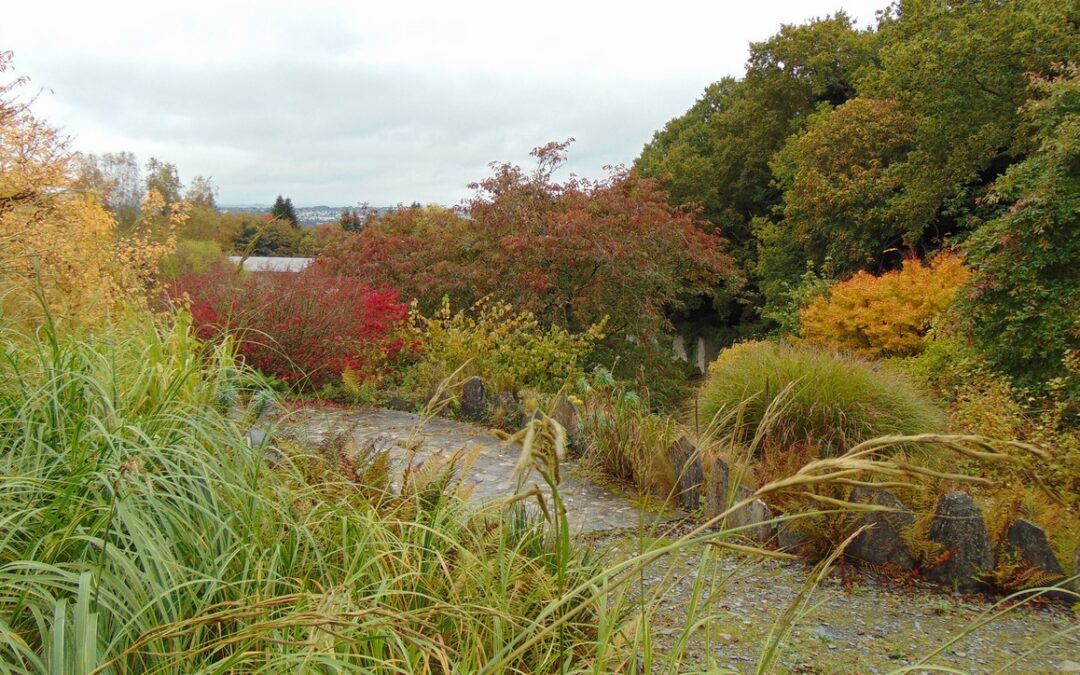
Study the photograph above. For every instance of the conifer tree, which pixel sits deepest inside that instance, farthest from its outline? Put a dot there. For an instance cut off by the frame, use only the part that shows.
(283, 210)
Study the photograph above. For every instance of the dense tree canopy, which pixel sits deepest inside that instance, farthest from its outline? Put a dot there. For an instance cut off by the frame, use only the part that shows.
(961, 70)
(849, 149)
(841, 184)
(1027, 261)
(573, 253)
(717, 154)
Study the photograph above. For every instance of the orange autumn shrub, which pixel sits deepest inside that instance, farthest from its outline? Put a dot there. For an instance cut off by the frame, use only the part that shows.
(887, 315)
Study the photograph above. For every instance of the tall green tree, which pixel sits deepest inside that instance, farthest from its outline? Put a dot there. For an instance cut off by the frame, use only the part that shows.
(841, 181)
(960, 68)
(283, 210)
(165, 179)
(717, 154)
(1023, 301)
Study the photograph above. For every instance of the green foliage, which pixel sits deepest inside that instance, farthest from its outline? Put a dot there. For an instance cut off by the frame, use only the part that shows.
(1023, 303)
(509, 350)
(283, 210)
(143, 533)
(260, 237)
(717, 154)
(206, 223)
(960, 69)
(192, 256)
(861, 146)
(826, 401)
(622, 438)
(651, 368)
(786, 300)
(840, 185)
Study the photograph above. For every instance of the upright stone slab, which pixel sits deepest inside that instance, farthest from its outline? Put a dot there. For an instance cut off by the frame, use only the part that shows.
(686, 462)
(749, 519)
(1076, 569)
(958, 525)
(716, 490)
(473, 398)
(567, 414)
(883, 543)
(506, 410)
(1027, 543)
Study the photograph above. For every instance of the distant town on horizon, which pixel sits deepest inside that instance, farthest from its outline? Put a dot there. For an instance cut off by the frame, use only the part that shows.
(310, 215)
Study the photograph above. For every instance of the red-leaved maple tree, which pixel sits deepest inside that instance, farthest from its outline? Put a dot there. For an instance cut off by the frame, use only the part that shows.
(571, 252)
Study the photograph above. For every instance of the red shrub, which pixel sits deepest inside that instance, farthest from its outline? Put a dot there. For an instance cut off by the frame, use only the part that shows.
(305, 328)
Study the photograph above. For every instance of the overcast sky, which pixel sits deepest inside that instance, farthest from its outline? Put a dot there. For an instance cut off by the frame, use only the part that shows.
(344, 102)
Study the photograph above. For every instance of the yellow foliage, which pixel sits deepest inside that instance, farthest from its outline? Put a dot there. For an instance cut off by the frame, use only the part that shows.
(58, 239)
(509, 350)
(887, 315)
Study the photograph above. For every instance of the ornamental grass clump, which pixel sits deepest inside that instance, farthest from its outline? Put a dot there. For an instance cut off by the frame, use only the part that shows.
(140, 531)
(835, 401)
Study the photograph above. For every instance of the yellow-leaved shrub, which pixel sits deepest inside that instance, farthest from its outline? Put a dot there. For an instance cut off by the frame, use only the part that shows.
(510, 350)
(59, 240)
(886, 315)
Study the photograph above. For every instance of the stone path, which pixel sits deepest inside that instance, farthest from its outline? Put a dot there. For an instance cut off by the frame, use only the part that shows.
(589, 506)
(867, 625)
(864, 627)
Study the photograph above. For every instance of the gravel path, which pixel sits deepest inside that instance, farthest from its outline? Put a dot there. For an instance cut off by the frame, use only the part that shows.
(861, 625)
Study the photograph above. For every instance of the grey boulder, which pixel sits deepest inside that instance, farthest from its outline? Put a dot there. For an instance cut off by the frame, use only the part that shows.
(959, 527)
(882, 544)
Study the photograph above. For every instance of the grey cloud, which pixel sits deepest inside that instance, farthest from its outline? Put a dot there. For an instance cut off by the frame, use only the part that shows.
(359, 132)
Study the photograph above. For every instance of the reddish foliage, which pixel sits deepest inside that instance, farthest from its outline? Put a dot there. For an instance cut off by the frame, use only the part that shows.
(305, 328)
(570, 252)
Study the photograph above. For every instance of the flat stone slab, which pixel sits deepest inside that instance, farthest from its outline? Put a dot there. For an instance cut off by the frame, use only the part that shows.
(589, 507)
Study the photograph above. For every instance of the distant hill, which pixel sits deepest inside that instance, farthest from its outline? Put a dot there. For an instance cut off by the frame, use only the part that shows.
(309, 216)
